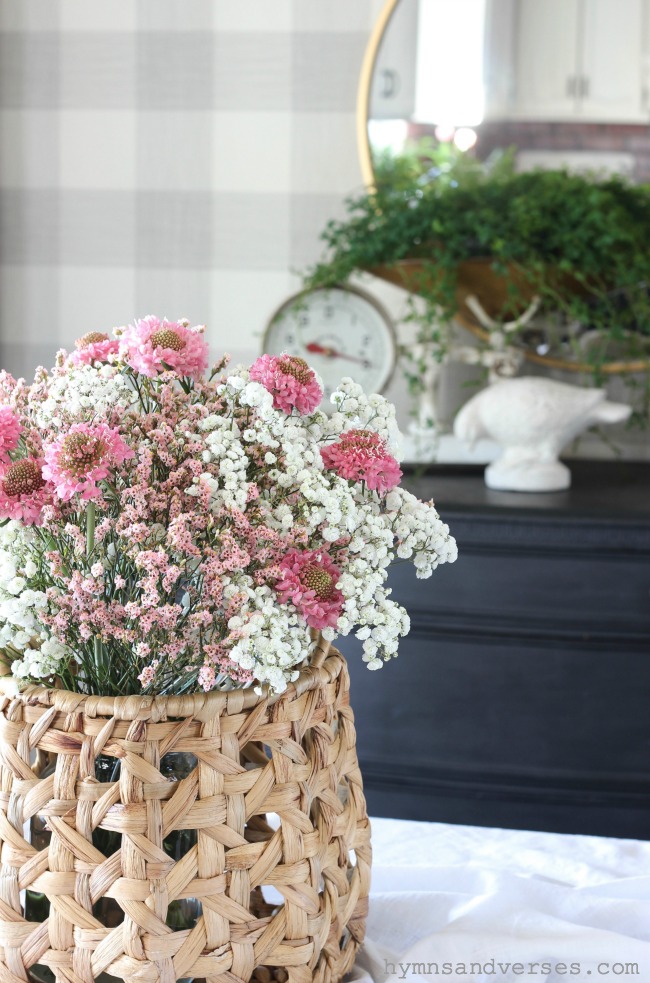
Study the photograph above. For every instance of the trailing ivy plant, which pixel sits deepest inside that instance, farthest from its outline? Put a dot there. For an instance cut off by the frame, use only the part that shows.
(579, 242)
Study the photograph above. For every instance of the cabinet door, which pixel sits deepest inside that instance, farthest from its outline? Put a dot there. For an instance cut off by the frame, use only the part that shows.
(499, 60)
(393, 82)
(612, 85)
(547, 59)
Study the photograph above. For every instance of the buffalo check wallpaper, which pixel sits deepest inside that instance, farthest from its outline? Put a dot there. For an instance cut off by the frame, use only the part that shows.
(176, 157)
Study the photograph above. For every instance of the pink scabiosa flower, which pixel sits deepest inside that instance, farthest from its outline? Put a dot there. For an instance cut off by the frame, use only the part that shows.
(308, 580)
(151, 346)
(94, 347)
(75, 462)
(362, 455)
(24, 491)
(10, 429)
(290, 381)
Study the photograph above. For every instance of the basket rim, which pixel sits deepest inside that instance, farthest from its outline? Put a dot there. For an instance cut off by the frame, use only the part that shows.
(322, 665)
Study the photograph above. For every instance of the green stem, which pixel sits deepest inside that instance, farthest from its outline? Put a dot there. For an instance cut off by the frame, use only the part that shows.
(90, 545)
(90, 529)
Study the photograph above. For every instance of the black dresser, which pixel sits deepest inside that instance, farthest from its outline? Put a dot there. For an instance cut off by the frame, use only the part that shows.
(521, 697)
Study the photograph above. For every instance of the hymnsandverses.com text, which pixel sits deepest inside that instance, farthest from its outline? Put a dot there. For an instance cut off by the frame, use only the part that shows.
(499, 968)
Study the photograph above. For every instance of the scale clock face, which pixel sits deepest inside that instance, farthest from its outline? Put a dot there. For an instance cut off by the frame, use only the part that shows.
(339, 331)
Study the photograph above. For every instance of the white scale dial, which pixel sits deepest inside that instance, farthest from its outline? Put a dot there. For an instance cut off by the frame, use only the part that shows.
(340, 332)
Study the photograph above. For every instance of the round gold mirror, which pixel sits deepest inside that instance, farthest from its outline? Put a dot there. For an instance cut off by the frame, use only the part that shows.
(564, 86)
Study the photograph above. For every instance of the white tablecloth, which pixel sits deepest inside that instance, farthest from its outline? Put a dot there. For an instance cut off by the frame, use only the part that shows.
(505, 906)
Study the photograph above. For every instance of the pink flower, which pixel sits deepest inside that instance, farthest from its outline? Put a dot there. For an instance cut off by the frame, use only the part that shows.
(308, 580)
(85, 455)
(362, 455)
(24, 491)
(10, 429)
(289, 380)
(94, 347)
(207, 678)
(8, 385)
(148, 674)
(150, 346)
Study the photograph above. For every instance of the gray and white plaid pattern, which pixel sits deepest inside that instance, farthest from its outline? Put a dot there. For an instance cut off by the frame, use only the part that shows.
(176, 157)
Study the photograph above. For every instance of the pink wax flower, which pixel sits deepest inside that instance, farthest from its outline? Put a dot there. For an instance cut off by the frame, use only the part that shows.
(85, 455)
(8, 384)
(151, 346)
(362, 455)
(10, 430)
(207, 678)
(148, 674)
(94, 347)
(24, 491)
(308, 579)
(290, 381)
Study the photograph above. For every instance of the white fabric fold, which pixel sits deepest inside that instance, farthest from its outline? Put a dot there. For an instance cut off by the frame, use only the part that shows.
(476, 904)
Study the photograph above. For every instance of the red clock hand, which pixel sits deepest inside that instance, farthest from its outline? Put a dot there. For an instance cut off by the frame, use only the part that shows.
(317, 349)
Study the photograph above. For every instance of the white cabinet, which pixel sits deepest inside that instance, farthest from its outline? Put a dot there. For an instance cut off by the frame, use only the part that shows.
(581, 60)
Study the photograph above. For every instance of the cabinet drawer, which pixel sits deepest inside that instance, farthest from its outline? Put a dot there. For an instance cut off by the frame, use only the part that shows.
(571, 590)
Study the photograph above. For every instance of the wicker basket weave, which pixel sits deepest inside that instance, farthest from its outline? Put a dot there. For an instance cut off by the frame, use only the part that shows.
(293, 757)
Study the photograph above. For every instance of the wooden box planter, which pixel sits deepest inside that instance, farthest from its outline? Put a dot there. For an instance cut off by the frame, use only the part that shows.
(475, 277)
(275, 844)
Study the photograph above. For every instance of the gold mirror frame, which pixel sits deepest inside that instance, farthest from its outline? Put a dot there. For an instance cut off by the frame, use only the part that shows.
(368, 174)
(364, 89)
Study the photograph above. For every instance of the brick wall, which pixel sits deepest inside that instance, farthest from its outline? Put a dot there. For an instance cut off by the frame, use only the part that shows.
(613, 138)
(598, 137)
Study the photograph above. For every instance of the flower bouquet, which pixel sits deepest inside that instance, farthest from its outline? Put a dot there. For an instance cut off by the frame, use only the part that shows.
(179, 547)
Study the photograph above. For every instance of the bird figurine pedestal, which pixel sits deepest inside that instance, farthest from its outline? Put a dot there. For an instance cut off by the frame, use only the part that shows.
(532, 419)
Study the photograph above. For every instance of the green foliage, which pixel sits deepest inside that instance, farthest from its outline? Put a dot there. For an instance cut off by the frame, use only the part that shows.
(547, 231)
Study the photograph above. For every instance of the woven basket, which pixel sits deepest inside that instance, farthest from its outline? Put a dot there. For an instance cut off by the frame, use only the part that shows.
(274, 795)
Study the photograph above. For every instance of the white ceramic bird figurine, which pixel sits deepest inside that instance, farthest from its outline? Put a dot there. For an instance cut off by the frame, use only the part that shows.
(533, 419)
